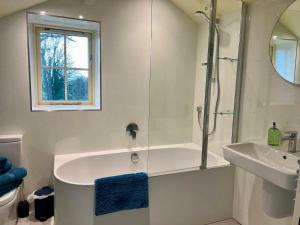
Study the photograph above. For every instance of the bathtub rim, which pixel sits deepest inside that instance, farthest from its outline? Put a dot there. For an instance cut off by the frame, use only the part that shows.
(61, 159)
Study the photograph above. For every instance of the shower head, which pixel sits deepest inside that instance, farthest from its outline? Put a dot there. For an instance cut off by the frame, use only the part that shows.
(203, 14)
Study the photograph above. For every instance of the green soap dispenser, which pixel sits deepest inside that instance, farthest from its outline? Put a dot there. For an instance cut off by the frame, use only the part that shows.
(274, 136)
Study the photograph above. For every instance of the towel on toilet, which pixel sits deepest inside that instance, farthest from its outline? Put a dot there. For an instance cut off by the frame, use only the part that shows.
(124, 192)
(13, 175)
(4, 189)
(11, 179)
(3, 161)
(5, 164)
(10, 176)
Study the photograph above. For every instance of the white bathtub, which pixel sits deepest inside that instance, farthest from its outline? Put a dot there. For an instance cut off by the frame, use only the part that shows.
(75, 175)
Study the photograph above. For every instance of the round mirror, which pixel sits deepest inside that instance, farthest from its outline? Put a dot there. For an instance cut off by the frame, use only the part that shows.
(285, 46)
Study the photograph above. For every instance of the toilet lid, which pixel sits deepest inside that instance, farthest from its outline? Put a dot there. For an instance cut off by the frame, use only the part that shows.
(8, 197)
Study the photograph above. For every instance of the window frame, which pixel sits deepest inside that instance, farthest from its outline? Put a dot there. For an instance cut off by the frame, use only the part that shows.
(66, 26)
(57, 30)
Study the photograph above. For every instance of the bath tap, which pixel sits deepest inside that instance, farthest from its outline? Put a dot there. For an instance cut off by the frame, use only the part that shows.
(132, 129)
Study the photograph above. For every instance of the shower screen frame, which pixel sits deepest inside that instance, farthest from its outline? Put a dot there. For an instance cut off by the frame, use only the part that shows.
(209, 72)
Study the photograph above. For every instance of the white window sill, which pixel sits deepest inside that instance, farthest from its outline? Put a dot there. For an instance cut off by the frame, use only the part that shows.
(49, 108)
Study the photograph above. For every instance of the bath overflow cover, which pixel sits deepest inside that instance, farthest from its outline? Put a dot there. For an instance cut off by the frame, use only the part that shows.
(135, 157)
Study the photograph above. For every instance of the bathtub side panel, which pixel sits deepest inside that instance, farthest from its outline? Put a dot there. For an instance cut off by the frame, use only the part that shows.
(74, 204)
(128, 217)
(193, 198)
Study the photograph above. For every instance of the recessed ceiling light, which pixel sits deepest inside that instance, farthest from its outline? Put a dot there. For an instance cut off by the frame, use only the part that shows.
(43, 12)
(81, 17)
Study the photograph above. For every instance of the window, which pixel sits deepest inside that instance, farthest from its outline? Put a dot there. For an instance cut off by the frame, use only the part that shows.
(284, 57)
(64, 63)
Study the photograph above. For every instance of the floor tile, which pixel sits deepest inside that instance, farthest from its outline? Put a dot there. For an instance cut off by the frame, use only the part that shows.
(226, 222)
(32, 221)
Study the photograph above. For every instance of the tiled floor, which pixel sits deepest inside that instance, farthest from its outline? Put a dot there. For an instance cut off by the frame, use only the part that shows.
(32, 221)
(226, 222)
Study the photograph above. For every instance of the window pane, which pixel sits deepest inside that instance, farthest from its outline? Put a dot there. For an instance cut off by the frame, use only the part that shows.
(285, 58)
(78, 88)
(77, 52)
(53, 85)
(52, 49)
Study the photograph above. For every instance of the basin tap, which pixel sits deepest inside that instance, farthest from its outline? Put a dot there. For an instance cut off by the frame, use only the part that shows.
(291, 136)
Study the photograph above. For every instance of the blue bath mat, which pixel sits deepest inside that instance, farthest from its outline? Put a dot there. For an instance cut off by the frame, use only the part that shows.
(124, 192)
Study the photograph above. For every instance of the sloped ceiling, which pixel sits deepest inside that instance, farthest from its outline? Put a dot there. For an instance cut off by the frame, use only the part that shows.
(10, 6)
(291, 17)
(224, 7)
(188, 6)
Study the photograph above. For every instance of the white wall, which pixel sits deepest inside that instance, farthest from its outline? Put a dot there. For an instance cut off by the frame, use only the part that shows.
(125, 81)
(173, 64)
(126, 49)
(202, 40)
(265, 98)
(229, 30)
(281, 31)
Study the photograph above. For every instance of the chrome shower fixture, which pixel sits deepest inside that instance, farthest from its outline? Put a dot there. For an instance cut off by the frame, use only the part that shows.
(228, 59)
(202, 13)
(206, 17)
(216, 74)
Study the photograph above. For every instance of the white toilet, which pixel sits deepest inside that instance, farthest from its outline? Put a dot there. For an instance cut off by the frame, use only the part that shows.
(10, 147)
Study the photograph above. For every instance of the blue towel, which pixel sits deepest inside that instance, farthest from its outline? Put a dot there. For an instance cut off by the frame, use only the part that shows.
(5, 165)
(124, 192)
(2, 161)
(9, 187)
(13, 175)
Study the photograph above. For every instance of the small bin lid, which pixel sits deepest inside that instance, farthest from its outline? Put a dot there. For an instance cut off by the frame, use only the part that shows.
(44, 191)
(40, 194)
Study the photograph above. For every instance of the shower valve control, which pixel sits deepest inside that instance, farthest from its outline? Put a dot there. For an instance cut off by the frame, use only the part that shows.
(135, 157)
(132, 130)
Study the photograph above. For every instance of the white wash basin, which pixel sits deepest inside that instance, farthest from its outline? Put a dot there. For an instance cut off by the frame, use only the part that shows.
(277, 167)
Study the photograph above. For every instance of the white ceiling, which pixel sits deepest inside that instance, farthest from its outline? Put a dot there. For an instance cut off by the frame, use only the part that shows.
(188, 6)
(223, 6)
(291, 17)
(10, 6)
